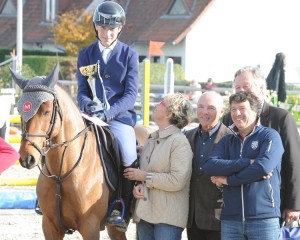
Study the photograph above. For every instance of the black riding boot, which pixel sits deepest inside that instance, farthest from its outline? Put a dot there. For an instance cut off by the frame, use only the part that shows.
(127, 195)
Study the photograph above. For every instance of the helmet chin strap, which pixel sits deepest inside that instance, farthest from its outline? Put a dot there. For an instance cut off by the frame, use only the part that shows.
(110, 44)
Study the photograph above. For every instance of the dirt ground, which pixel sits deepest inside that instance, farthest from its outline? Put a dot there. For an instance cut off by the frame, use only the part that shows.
(25, 224)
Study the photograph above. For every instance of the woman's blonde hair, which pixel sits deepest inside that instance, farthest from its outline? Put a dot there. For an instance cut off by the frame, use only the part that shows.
(181, 109)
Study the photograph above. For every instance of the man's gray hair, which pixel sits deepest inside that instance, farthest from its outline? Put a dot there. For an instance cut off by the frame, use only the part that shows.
(258, 76)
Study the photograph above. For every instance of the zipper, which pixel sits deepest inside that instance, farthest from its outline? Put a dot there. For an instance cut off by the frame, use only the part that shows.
(272, 195)
(242, 186)
(241, 152)
(243, 206)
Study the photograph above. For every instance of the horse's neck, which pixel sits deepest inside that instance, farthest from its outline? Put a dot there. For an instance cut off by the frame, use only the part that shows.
(70, 142)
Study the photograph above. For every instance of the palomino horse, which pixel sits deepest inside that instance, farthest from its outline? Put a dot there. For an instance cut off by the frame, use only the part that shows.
(72, 190)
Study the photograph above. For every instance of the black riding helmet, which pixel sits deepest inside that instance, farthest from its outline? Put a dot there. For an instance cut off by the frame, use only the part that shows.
(109, 14)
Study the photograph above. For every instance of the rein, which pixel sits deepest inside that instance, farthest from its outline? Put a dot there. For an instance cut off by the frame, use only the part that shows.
(59, 179)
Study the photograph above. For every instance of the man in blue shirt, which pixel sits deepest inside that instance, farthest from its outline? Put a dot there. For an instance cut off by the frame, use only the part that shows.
(247, 165)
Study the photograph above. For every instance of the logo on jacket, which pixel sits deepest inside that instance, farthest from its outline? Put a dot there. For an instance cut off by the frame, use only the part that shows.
(254, 144)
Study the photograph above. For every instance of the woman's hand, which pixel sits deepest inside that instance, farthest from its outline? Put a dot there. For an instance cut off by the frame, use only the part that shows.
(138, 191)
(135, 174)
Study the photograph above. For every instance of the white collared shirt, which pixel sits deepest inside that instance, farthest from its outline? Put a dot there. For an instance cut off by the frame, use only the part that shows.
(111, 47)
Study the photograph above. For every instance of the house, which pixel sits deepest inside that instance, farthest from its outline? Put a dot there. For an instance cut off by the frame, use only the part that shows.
(209, 38)
(168, 21)
(38, 17)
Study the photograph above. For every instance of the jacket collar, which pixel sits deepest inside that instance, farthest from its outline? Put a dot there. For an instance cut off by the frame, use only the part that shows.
(264, 116)
(165, 133)
(235, 130)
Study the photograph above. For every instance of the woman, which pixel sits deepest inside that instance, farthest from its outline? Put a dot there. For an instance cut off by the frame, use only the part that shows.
(162, 187)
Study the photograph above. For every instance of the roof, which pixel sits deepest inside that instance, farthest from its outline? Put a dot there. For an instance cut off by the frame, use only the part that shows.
(34, 29)
(149, 20)
(146, 20)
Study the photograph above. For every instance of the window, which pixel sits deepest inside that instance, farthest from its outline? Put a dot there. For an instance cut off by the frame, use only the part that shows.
(155, 59)
(178, 8)
(50, 10)
(7, 8)
(142, 58)
(176, 60)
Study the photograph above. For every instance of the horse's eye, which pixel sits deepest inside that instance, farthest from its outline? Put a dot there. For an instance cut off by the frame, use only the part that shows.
(46, 112)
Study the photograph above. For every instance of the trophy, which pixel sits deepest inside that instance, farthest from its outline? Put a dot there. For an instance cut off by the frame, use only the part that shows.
(89, 71)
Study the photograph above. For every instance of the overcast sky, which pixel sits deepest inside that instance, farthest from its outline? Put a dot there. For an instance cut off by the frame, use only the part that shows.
(249, 32)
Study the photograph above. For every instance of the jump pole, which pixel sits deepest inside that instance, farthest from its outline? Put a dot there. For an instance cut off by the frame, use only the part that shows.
(18, 182)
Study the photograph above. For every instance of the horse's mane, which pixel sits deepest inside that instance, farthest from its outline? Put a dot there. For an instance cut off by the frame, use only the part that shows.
(60, 89)
(67, 103)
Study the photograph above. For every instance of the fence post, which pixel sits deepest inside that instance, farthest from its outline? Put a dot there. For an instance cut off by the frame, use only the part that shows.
(169, 77)
(146, 92)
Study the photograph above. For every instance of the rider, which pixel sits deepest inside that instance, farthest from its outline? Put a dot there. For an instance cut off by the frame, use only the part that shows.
(116, 83)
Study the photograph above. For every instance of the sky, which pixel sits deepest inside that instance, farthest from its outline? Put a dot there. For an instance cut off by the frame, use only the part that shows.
(236, 33)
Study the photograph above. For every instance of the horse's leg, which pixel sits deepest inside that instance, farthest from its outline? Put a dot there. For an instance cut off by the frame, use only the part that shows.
(50, 231)
(114, 234)
(89, 227)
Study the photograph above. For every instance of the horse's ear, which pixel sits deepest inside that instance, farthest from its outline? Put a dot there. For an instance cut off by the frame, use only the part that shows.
(19, 80)
(52, 78)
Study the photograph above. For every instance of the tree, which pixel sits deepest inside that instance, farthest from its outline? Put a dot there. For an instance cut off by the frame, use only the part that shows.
(74, 31)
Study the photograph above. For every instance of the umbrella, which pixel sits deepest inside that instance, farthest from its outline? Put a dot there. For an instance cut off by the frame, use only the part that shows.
(276, 77)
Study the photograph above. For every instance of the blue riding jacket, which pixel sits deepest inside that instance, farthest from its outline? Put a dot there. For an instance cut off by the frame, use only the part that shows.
(120, 79)
(248, 196)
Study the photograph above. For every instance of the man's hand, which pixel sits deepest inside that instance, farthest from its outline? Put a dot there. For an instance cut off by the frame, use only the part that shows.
(219, 180)
(290, 215)
(268, 176)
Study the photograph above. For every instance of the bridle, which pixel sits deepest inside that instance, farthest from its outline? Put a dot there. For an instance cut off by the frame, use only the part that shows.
(48, 144)
(48, 136)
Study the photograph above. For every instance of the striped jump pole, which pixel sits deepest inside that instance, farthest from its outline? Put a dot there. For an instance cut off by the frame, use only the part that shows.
(14, 138)
(18, 182)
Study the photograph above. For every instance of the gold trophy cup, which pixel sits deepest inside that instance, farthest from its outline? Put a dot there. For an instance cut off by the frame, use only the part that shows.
(89, 71)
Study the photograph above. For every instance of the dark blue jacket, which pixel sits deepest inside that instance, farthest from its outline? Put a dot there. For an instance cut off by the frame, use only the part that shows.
(120, 78)
(248, 196)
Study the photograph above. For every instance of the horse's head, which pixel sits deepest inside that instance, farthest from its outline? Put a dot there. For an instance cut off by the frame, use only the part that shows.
(39, 108)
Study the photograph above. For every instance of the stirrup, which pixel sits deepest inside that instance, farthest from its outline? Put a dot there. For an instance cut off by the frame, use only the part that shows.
(115, 216)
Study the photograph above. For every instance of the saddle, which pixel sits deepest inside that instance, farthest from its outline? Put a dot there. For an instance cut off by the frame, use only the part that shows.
(109, 155)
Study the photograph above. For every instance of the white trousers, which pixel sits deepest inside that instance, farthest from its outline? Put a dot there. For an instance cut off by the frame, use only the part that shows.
(126, 139)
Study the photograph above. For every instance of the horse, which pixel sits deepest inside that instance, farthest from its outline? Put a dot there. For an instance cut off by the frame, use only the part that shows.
(72, 190)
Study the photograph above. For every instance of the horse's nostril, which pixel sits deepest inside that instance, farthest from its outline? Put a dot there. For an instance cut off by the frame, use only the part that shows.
(30, 161)
(22, 163)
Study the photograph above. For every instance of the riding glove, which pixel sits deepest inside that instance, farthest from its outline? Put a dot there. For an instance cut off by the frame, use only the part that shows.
(101, 116)
(92, 108)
